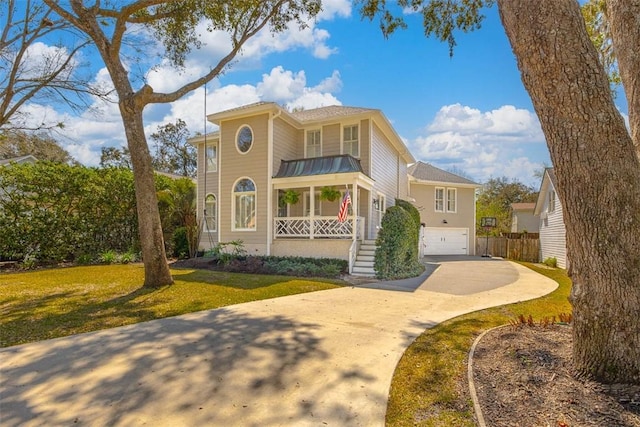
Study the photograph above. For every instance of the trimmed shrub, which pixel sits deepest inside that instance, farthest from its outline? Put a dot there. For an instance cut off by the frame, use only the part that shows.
(397, 253)
(415, 215)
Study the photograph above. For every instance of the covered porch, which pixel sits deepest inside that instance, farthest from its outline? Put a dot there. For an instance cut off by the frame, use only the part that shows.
(309, 192)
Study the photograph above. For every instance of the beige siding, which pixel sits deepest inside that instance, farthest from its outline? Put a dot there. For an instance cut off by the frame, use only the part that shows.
(386, 168)
(235, 165)
(365, 147)
(552, 234)
(312, 248)
(331, 140)
(464, 217)
(524, 221)
(287, 143)
(210, 186)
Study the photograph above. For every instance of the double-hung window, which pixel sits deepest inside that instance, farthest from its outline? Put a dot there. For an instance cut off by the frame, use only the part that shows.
(552, 201)
(350, 141)
(314, 143)
(439, 206)
(211, 155)
(451, 199)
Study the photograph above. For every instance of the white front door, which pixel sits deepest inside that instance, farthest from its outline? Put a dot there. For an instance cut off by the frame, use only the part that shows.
(446, 241)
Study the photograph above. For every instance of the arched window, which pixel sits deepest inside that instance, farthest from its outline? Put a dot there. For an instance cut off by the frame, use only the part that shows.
(244, 205)
(210, 213)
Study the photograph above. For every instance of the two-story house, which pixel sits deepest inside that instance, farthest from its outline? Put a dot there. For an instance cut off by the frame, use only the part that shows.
(263, 158)
(447, 206)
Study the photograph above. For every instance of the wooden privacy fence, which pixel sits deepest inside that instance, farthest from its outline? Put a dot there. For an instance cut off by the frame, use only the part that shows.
(527, 250)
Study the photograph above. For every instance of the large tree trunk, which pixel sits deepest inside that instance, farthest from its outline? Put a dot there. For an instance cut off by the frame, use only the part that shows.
(624, 20)
(598, 177)
(156, 268)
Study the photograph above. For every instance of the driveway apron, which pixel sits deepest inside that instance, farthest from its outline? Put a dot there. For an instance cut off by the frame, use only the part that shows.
(315, 359)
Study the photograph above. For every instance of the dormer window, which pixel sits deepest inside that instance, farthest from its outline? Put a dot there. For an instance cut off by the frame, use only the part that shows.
(313, 145)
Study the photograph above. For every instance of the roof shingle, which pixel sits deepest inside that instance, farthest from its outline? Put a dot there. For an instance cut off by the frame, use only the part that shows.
(427, 172)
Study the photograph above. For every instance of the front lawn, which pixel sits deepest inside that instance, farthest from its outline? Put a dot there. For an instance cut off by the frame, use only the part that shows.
(426, 387)
(59, 302)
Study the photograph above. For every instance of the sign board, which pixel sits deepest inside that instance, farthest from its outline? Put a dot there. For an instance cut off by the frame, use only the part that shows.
(488, 221)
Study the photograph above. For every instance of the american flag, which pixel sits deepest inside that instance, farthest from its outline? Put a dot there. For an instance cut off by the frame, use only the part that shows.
(344, 207)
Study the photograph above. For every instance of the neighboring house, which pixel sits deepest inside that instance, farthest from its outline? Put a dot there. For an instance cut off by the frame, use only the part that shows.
(523, 219)
(548, 208)
(18, 160)
(447, 205)
(262, 153)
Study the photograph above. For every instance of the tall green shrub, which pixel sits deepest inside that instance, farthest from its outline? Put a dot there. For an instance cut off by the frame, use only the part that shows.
(415, 215)
(397, 253)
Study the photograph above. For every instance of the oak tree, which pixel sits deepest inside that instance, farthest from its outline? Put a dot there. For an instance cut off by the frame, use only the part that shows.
(113, 28)
(34, 66)
(596, 158)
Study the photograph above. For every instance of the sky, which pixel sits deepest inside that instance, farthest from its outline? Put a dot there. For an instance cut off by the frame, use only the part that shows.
(468, 113)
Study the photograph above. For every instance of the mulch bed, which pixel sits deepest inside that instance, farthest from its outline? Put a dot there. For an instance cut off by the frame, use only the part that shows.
(523, 377)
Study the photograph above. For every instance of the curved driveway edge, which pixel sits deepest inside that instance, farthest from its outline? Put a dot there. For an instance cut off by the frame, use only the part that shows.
(322, 358)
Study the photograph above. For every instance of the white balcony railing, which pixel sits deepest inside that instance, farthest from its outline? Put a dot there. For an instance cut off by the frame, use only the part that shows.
(327, 227)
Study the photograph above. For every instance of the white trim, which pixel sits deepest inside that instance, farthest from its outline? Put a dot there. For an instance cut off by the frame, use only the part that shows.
(233, 205)
(306, 142)
(253, 138)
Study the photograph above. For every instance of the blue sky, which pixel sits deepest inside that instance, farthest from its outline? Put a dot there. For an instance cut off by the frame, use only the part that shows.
(469, 113)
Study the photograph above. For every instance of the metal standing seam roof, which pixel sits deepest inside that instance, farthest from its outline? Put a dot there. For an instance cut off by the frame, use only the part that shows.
(318, 166)
(427, 172)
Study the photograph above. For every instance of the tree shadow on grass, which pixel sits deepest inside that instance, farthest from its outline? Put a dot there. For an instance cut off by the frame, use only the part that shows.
(42, 317)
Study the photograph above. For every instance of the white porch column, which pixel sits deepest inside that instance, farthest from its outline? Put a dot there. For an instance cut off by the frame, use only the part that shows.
(312, 209)
(354, 209)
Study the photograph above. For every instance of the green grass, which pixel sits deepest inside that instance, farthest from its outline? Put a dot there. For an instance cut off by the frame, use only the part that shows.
(425, 388)
(59, 302)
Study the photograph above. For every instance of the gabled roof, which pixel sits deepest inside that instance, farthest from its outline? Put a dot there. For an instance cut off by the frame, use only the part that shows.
(330, 112)
(548, 183)
(523, 206)
(429, 174)
(318, 166)
(303, 118)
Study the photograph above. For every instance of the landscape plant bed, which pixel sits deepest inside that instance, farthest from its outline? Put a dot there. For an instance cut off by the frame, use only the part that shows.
(286, 266)
(523, 376)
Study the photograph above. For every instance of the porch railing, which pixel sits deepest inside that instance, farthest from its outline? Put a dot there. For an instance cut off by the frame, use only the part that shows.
(327, 227)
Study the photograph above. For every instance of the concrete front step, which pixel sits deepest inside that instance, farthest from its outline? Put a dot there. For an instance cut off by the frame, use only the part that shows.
(363, 264)
(369, 258)
(366, 253)
(363, 271)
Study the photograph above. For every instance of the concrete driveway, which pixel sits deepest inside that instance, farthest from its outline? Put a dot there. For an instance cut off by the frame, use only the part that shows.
(322, 358)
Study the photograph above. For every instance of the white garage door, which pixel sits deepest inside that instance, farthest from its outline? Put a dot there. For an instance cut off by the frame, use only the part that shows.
(446, 241)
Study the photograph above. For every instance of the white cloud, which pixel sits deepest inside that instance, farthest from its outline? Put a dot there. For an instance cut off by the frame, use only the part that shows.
(281, 85)
(483, 144)
(101, 126)
(334, 8)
